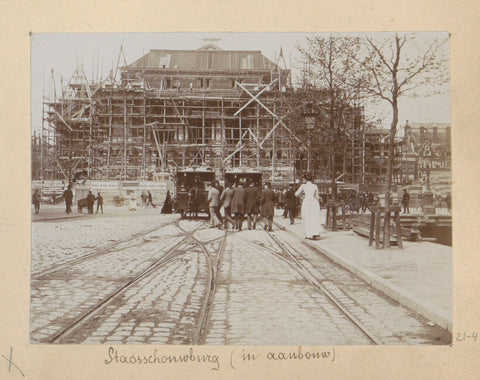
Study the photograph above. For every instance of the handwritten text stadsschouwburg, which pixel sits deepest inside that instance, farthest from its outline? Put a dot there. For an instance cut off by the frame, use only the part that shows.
(156, 358)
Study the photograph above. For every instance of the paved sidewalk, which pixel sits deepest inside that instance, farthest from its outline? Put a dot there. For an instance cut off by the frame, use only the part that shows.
(50, 212)
(57, 212)
(418, 276)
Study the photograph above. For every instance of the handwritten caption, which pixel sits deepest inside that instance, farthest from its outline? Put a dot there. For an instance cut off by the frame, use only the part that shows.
(467, 336)
(237, 357)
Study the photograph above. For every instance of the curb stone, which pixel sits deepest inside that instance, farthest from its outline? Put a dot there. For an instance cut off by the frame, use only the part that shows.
(405, 298)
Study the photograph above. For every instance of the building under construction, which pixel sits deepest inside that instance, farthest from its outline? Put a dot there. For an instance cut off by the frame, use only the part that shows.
(172, 108)
(177, 108)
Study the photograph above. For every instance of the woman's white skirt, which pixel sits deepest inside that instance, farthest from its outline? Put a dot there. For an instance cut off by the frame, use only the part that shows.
(311, 217)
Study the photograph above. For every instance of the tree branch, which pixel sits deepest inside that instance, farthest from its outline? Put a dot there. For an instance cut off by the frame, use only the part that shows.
(379, 53)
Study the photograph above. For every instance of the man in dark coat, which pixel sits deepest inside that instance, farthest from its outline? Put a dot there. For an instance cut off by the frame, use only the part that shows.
(252, 200)
(369, 198)
(282, 198)
(268, 206)
(99, 202)
(291, 203)
(68, 196)
(238, 205)
(363, 201)
(150, 200)
(192, 202)
(448, 201)
(90, 202)
(406, 202)
(36, 200)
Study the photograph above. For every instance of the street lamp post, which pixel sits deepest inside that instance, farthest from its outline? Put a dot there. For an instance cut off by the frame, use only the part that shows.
(310, 119)
(428, 206)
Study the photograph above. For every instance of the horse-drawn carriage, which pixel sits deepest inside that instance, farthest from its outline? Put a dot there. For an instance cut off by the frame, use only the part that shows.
(191, 190)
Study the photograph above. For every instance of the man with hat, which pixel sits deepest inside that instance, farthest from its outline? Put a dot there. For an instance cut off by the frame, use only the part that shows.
(291, 203)
(238, 205)
(252, 201)
(68, 196)
(213, 202)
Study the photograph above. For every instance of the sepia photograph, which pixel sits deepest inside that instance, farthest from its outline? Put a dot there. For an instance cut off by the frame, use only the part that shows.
(258, 189)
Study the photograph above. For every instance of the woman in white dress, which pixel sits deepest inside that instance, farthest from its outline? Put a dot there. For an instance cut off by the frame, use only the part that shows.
(310, 208)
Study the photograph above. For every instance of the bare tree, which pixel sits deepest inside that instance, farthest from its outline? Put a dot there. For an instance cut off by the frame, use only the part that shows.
(326, 66)
(397, 65)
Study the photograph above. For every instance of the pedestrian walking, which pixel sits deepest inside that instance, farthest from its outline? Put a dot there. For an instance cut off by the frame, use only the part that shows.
(310, 208)
(369, 198)
(291, 204)
(36, 197)
(363, 201)
(150, 200)
(68, 196)
(213, 199)
(268, 206)
(90, 202)
(238, 205)
(167, 204)
(406, 202)
(283, 201)
(282, 198)
(192, 201)
(219, 187)
(252, 202)
(448, 201)
(226, 203)
(99, 199)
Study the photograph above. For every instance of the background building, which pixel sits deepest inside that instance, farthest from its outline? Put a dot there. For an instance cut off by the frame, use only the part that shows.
(222, 109)
(173, 108)
(430, 144)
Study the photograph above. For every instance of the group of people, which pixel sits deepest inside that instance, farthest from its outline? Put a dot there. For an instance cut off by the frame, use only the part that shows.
(240, 200)
(246, 199)
(147, 200)
(307, 194)
(91, 202)
(288, 201)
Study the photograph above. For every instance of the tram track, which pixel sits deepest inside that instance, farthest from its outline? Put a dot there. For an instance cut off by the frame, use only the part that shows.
(167, 257)
(108, 248)
(287, 254)
(213, 266)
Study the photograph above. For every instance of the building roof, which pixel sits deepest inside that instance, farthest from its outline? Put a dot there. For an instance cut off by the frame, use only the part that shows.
(428, 125)
(203, 59)
(377, 131)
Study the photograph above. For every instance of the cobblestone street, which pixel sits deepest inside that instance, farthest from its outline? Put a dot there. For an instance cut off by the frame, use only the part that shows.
(146, 278)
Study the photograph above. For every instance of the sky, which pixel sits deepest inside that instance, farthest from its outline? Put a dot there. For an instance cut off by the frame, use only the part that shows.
(98, 54)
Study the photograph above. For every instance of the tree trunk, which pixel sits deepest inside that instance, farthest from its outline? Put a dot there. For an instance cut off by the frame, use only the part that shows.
(332, 147)
(391, 152)
(391, 159)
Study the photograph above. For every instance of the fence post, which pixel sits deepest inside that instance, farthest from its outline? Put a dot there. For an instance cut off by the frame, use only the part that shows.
(372, 227)
(378, 223)
(399, 230)
(386, 229)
